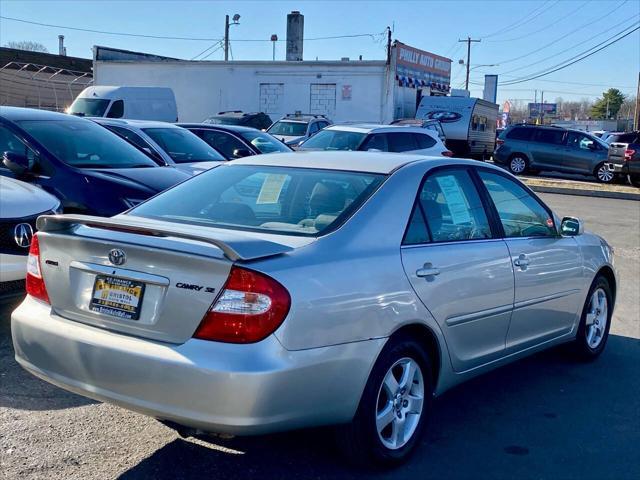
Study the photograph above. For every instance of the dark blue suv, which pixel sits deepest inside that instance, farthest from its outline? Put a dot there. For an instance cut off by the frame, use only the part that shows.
(88, 168)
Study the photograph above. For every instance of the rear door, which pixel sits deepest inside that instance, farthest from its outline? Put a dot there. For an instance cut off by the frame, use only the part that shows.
(547, 149)
(547, 267)
(458, 267)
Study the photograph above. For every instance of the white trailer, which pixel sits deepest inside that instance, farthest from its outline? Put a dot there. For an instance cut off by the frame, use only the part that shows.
(468, 123)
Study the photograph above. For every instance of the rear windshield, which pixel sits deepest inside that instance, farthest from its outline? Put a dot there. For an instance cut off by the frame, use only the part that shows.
(182, 145)
(282, 200)
(89, 107)
(288, 129)
(624, 138)
(334, 140)
(264, 142)
(84, 144)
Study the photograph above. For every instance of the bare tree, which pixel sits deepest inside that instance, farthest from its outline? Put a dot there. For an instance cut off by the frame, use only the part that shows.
(27, 45)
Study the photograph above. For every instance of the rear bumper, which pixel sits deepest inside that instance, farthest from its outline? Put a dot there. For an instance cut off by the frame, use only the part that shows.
(237, 389)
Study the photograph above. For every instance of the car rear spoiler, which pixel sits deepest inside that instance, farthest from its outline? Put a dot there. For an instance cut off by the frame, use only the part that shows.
(234, 246)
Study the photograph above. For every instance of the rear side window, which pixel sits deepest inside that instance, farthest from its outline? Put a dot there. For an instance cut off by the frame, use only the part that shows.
(448, 209)
(221, 141)
(519, 133)
(377, 141)
(627, 138)
(520, 213)
(549, 136)
(116, 110)
(402, 142)
(424, 141)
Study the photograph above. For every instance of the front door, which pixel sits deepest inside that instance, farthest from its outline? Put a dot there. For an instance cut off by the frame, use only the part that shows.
(547, 267)
(581, 153)
(458, 269)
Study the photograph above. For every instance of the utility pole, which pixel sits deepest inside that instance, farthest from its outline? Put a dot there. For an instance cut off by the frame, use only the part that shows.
(607, 108)
(468, 42)
(636, 115)
(226, 38)
(535, 101)
(388, 46)
(541, 113)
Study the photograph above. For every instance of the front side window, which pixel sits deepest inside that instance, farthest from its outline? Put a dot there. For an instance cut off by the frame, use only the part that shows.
(9, 142)
(579, 141)
(334, 140)
(282, 200)
(451, 210)
(222, 141)
(84, 144)
(116, 110)
(520, 213)
(264, 142)
(182, 145)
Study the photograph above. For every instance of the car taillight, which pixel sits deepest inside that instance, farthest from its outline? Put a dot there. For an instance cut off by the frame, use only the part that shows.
(628, 153)
(249, 309)
(499, 142)
(447, 153)
(35, 282)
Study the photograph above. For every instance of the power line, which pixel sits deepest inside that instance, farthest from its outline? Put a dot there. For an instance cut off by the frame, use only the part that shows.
(536, 12)
(562, 37)
(561, 18)
(164, 37)
(206, 50)
(561, 67)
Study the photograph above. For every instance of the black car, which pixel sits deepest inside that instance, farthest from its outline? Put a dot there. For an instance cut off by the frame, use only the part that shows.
(624, 156)
(259, 120)
(88, 168)
(234, 141)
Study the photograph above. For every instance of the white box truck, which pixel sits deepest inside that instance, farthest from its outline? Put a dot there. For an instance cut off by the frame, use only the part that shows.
(133, 103)
(468, 123)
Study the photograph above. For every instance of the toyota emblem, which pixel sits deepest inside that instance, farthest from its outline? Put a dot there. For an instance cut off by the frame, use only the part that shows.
(22, 234)
(117, 256)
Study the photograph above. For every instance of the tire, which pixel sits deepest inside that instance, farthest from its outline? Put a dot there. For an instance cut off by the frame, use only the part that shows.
(518, 163)
(634, 179)
(603, 174)
(361, 441)
(598, 307)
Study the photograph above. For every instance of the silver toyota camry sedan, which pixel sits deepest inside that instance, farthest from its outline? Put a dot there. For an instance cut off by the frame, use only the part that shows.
(298, 290)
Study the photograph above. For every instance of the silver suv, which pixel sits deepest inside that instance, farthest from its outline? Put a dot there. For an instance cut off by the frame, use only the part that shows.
(293, 129)
(530, 149)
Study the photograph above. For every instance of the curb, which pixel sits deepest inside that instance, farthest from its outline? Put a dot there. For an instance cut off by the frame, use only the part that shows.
(584, 192)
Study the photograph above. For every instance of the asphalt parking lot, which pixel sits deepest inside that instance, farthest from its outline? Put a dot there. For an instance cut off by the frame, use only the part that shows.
(541, 418)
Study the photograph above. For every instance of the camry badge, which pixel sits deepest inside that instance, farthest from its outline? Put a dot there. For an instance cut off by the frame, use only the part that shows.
(117, 256)
(22, 234)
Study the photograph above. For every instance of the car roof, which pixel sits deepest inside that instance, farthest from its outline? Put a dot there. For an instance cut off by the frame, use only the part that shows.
(235, 114)
(375, 127)
(370, 162)
(133, 123)
(19, 113)
(216, 126)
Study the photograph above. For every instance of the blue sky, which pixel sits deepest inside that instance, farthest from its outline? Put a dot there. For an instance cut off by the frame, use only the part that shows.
(559, 29)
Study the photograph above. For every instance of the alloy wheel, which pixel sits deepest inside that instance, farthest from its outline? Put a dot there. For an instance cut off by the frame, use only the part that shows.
(604, 174)
(518, 164)
(399, 405)
(597, 317)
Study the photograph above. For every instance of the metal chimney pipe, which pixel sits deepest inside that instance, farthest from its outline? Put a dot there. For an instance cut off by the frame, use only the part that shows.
(61, 50)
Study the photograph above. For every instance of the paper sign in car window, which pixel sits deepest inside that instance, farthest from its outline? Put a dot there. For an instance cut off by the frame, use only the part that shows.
(455, 199)
(271, 188)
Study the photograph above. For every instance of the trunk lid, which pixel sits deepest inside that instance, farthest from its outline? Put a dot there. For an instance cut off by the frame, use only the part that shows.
(163, 287)
(616, 152)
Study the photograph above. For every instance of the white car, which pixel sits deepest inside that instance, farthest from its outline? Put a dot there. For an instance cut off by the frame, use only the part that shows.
(21, 205)
(378, 138)
(294, 129)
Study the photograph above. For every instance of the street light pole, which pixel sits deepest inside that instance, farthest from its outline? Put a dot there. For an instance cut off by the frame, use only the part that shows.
(226, 38)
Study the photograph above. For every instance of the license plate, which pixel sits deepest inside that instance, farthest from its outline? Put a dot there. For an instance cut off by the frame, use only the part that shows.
(118, 297)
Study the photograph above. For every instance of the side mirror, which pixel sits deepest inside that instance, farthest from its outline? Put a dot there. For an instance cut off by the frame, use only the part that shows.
(18, 163)
(242, 152)
(571, 226)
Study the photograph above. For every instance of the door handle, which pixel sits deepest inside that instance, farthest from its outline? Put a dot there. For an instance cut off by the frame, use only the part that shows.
(428, 270)
(522, 261)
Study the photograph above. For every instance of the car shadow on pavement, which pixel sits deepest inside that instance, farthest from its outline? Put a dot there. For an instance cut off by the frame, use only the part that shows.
(18, 388)
(547, 416)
